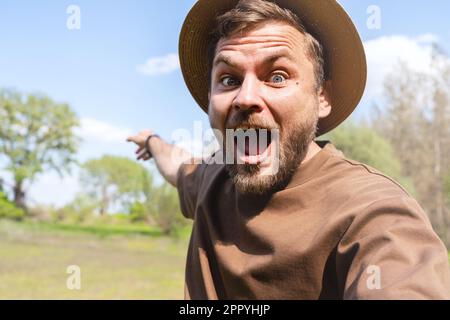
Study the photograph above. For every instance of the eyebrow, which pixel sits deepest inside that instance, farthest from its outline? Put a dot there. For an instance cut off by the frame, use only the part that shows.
(221, 58)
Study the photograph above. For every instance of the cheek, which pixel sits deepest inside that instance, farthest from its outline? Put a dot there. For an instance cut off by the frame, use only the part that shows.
(284, 104)
(293, 106)
(217, 112)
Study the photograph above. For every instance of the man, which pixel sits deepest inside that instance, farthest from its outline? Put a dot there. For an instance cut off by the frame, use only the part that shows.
(308, 223)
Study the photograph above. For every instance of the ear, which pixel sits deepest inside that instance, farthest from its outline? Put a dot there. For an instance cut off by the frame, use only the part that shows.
(325, 100)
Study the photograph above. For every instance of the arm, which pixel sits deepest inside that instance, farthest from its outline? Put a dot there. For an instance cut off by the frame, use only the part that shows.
(168, 157)
(391, 252)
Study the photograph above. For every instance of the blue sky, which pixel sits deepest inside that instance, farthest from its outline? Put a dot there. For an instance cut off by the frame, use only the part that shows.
(96, 69)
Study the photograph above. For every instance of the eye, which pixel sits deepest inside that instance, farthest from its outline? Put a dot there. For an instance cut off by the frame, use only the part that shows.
(229, 81)
(277, 78)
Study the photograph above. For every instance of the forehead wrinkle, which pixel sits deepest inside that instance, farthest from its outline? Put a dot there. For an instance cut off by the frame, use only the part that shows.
(254, 40)
(248, 44)
(282, 54)
(271, 58)
(279, 32)
(227, 44)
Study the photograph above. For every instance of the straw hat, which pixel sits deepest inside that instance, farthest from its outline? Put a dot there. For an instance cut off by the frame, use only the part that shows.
(326, 20)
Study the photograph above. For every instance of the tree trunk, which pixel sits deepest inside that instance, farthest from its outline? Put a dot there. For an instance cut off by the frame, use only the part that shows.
(19, 195)
(104, 203)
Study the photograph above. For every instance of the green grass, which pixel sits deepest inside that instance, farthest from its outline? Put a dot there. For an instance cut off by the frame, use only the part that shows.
(98, 229)
(117, 262)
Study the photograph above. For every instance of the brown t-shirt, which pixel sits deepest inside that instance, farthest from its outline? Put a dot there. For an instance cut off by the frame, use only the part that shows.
(339, 230)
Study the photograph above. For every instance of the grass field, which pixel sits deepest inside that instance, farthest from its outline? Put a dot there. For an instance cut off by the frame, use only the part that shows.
(123, 262)
(116, 262)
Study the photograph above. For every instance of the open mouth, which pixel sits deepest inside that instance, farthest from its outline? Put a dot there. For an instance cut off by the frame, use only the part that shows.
(252, 145)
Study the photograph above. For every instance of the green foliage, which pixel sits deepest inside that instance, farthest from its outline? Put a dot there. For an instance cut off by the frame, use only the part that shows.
(36, 135)
(415, 118)
(365, 145)
(99, 229)
(9, 210)
(138, 212)
(116, 180)
(165, 209)
(80, 210)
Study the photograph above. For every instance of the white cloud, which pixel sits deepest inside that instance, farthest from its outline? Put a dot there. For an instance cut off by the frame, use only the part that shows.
(385, 52)
(93, 130)
(160, 65)
(428, 38)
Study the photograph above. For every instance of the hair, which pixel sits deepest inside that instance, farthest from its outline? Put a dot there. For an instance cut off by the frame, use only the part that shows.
(248, 14)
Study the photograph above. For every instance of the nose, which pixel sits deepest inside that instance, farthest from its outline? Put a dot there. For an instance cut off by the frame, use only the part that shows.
(248, 96)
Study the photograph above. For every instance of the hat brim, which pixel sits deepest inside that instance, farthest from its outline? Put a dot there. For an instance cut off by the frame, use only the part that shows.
(326, 20)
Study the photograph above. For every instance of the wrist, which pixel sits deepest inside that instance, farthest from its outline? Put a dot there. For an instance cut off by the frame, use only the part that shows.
(149, 143)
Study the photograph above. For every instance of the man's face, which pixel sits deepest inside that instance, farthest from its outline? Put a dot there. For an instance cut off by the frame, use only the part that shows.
(263, 79)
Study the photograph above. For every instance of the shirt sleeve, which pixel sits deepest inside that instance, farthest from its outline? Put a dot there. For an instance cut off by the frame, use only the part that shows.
(189, 181)
(391, 251)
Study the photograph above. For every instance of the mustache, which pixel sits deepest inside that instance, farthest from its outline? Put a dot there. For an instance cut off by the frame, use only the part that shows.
(250, 120)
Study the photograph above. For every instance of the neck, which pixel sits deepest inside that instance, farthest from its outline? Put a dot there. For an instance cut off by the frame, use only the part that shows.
(313, 149)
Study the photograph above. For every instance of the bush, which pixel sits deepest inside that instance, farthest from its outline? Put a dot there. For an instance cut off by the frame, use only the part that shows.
(364, 144)
(165, 209)
(8, 210)
(41, 213)
(138, 212)
(80, 210)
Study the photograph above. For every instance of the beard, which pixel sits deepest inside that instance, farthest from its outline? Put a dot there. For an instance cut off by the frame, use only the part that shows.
(293, 147)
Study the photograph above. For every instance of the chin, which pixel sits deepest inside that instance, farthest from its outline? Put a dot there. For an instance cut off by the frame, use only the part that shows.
(254, 179)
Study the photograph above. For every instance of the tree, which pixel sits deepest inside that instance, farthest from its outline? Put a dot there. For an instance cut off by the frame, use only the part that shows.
(36, 135)
(362, 143)
(447, 188)
(116, 180)
(165, 208)
(416, 120)
(80, 209)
